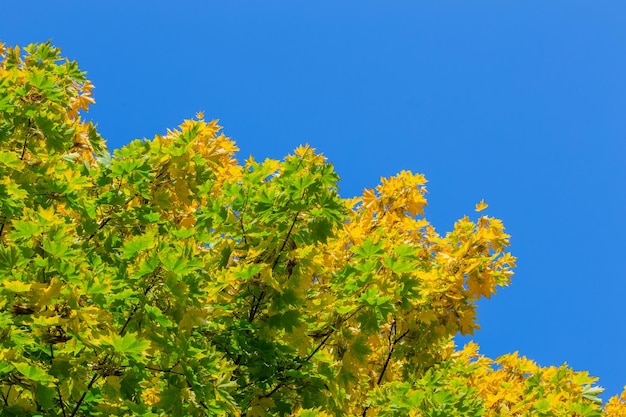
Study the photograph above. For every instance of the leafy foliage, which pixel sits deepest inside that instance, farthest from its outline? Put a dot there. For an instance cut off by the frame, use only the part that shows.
(170, 279)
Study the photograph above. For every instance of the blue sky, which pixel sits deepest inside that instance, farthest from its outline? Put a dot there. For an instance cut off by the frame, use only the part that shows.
(517, 102)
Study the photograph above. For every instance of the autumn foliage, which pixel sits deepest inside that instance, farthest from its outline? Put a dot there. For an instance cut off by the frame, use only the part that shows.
(170, 279)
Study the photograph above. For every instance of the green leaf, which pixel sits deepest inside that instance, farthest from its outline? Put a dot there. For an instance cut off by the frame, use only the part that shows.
(61, 368)
(321, 229)
(183, 233)
(137, 244)
(5, 368)
(177, 263)
(591, 393)
(398, 266)
(24, 230)
(10, 159)
(247, 271)
(40, 80)
(287, 320)
(369, 248)
(46, 396)
(55, 248)
(129, 344)
(586, 410)
(370, 296)
(34, 373)
(147, 266)
(158, 315)
(5, 102)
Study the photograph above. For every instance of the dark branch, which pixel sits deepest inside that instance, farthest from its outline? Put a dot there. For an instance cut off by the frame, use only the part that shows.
(61, 403)
(82, 397)
(132, 313)
(102, 224)
(322, 343)
(308, 358)
(282, 248)
(24, 146)
(106, 358)
(392, 346)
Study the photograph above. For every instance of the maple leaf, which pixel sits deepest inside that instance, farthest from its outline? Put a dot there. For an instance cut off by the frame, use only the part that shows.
(481, 206)
(169, 279)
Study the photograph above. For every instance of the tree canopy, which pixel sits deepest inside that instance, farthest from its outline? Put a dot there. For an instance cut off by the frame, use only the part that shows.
(170, 279)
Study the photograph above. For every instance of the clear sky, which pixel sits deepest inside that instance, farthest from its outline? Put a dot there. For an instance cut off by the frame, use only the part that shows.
(518, 102)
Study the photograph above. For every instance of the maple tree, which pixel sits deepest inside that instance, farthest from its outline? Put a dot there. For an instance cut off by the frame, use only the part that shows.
(168, 279)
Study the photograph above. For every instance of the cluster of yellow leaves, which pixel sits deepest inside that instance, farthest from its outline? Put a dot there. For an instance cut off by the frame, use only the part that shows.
(616, 406)
(57, 98)
(175, 160)
(513, 385)
(425, 284)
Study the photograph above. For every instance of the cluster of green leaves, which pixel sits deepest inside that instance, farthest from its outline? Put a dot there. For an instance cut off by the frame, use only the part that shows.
(168, 279)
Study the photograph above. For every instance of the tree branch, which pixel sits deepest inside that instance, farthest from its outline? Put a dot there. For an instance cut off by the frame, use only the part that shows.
(89, 386)
(243, 230)
(102, 224)
(24, 145)
(392, 346)
(256, 305)
(283, 383)
(5, 398)
(322, 343)
(169, 371)
(61, 403)
(280, 252)
(94, 378)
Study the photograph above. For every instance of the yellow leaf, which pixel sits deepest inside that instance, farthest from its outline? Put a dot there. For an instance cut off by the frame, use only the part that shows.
(47, 214)
(482, 205)
(369, 198)
(16, 286)
(302, 150)
(427, 316)
(259, 406)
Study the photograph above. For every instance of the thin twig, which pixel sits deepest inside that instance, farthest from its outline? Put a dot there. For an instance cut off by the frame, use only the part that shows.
(392, 347)
(106, 358)
(102, 224)
(255, 307)
(82, 397)
(280, 252)
(322, 343)
(6, 398)
(57, 384)
(132, 314)
(24, 147)
(283, 383)
(169, 371)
